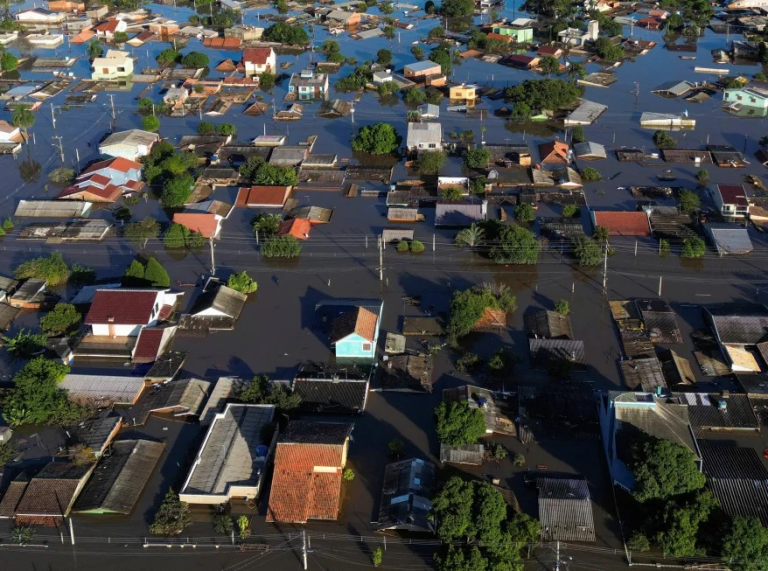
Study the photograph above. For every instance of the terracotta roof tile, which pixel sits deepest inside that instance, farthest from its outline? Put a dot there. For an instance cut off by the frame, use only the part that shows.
(52, 491)
(358, 320)
(258, 56)
(124, 306)
(263, 196)
(148, 345)
(296, 227)
(119, 164)
(733, 194)
(326, 492)
(624, 223)
(203, 223)
(554, 152)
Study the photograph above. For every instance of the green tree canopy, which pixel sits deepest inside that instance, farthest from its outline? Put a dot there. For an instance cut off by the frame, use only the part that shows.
(52, 268)
(681, 522)
(457, 423)
(452, 508)
(206, 128)
(173, 516)
(285, 34)
(525, 213)
(515, 245)
(177, 190)
(8, 61)
(384, 56)
(609, 51)
(664, 140)
(689, 201)
(540, 94)
(155, 274)
(23, 117)
(195, 60)
(469, 305)
(168, 56)
(745, 545)
(549, 65)
(663, 469)
(267, 81)
(94, 49)
(242, 282)
(471, 237)
(693, 248)
(273, 175)
(146, 229)
(134, 274)
(430, 162)
(150, 123)
(281, 247)
(378, 139)
(477, 158)
(261, 391)
(590, 174)
(457, 8)
(61, 319)
(36, 397)
(588, 252)
(226, 129)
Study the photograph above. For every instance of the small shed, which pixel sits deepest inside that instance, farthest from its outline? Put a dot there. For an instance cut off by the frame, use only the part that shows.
(730, 239)
(396, 235)
(589, 151)
(404, 215)
(471, 454)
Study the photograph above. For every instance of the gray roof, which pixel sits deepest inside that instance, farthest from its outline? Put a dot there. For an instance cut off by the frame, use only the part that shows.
(311, 432)
(589, 149)
(675, 89)
(119, 478)
(115, 388)
(424, 134)
(643, 374)
(729, 238)
(228, 456)
(406, 494)
(221, 298)
(458, 213)
(331, 387)
(8, 284)
(429, 110)
(288, 156)
(715, 412)
(185, 396)
(586, 113)
(130, 137)
(420, 66)
(52, 209)
(659, 320)
(29, 290)
(473, 454)
(95, 434)
(565, 510)
(737, 478)
(548, 324)
(740, 324)
(544, 350)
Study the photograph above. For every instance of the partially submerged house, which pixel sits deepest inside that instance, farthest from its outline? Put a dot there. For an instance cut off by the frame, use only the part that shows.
(622, 223)
(114, 65)
(232, 460)
(218, 306)
(332, 387)
(124, 312)
(308, 85)
(263, 196)
(555, 153)
(460, 214)
(728, 238)
(499, 417)
(103, 389)
(547, 324)
(207, 224)
(50, 494)
(731, 201)
(565, 509)
(307, 479)
(131, 144)
(259, 60)
(406, 496)
(742, 332)
(424, 137)
(354, 329)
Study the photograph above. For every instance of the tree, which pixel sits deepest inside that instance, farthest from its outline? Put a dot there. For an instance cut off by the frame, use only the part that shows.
(195, 60)
(543, 94)
(123, 214)
(61, 319)
(549, 65)
(377, 557)
(468, 306)
(680, 523)
(176, 191)
(745, 545)
(638, 542)
(590, 174)
(525, 213)
(134, 274)
(457, 423)
(417, 52)
(168, 56)
(155, 274)
(430, 162)
(693, 248)
(663, 469)
(515, 245)
(457, 8)
(281, 247)
(378, 139)
(8, 224)
(22, 534)
(8, 62)
(562, 307)
(664, 140)
(601, 233)
(403, 246)
(267, 81)
(243, 526)
(577, 134)
(330, 47)
(206, 128)
(176, 237)
(222, 524)
(52, 268)
(25, 344)
(242, 282)
(461, 559)
(7, 453)
(498, 452)
(413, 96)
(451, 193)
(143, 230)
(261, 391)
(266, 224)
(689, 201)
(285, 34)
(429, 7)
(570, 211)
(36, 397)
(388, 88)
(120, 37)
(173, 516)
(442, 57)
(94, 49)
(471, 237)
(271, 175)
(664, 248)
(150, 123)
(417, 247)
(452, 509)
(348, 475)
(226, 129)
(518, 460)
(22, 117)
(588, 252)
(702, 177)
(384, 56)
(609, 51)
(178, 164)
(396, 448)
(477, 158)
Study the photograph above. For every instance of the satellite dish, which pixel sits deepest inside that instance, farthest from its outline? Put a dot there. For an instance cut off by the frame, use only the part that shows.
(493, 175)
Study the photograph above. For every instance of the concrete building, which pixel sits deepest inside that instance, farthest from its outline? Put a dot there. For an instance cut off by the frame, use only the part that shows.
(422, 69)
(130, 144)
(308, 85)
(424, 137)
(40, 16)
(124, 312)
(114, 65)
(520, 34)
(259, 60)
(747, 96)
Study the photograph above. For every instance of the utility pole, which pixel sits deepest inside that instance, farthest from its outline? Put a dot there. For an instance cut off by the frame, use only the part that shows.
(381, 258)
(605, 279)
(660, 280)
(53, 116)
(61, 148)
(112, 101)
(71, 531)
(213, 257)
(304, 548)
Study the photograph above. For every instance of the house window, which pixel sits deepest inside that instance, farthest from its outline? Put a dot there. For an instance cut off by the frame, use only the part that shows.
(738, 97)
(751, 99)
(432, 146)
(120, 69)
(366, 346)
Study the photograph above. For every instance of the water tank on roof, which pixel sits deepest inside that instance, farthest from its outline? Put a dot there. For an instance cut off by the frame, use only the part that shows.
(482, 402)
(722, 404)
(261, 451)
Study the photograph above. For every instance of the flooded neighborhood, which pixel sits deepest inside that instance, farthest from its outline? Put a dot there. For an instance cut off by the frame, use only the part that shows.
(464, 285)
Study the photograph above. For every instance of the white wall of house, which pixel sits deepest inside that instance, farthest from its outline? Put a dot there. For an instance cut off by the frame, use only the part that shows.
(112, 330)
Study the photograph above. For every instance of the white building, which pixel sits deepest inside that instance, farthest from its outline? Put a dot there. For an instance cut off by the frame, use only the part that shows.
(424, 137)
(40, 16)
(130, 144)
(114, 65)
(259, 60)
(124, 312)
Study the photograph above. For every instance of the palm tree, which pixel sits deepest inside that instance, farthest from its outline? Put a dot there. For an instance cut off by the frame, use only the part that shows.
(472, 237)
(94, 49)
(22, 117)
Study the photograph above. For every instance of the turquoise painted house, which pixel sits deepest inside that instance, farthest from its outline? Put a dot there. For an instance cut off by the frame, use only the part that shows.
(355, 333)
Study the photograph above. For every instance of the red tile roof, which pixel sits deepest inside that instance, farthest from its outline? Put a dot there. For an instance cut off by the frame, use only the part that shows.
(241, 80)
(109, 193)
(223, 43)
(108, 26)
(121, 307)
(257, 56)
(499, 37)
(732, 194)
(148, 345)
(296, 227)
(298, 492)
(119, 164)
(95, 179)
(624, 223)
(201, 222)
(263, 196)
(553, 51)
(52, 491)
(359, 321)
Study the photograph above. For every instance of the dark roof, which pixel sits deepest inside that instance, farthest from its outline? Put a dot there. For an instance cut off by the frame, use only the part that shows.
(96, 434)
(120, 477)
(548, 324)
(52, 490)
(544, 350)
(13, 495)
(122, 306)
(707, 412)
(740, 323)
(358, 320)
(660, 321)
(310, 432)
(643, 374)
(405, 495)
(458, 213)
(473, 454)
(327, 387)
(756, 386)
(499, 416)
(737, 478)
(564, 412)
(216, 295)
(565, 509)
(407, 373)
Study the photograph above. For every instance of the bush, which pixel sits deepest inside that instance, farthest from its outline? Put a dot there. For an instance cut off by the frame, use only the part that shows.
(172, 517)
(242, 282)
(638, 542)
(36, 397)
(601, 234)
(267, 81)
(562, 307)
(468, 362)
(222, 524)
(62, 175)
(689, 202)
(53, 269)
(156, 274)
(139, 232)
(570, 211)
(413, 96)
(271, 175)
(525, 213)
(226, 129)
(120, 37)
(195, 60)
(206, 128)
(384, 56)
(693, 248)
(703, 177)
(588, 252)
(664, 140)
(150, 123)
(8, 224)
(417, 247)
(430, 162)
(61, 319)
(577, 134)
(168, 56)
(664, 248)
(81, 275)
(477, 158)
(176, 237)
(348, 474)
(402, 246)
(281, 247)
(286, 34)
(7, 453)
(378, 139)
(589, 174)
(25, 345)
(451, 193)
(518, 460)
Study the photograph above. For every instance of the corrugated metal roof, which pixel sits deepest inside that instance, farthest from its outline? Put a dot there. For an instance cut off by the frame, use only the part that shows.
(116, 388)
(729, 238)
(565, 510)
